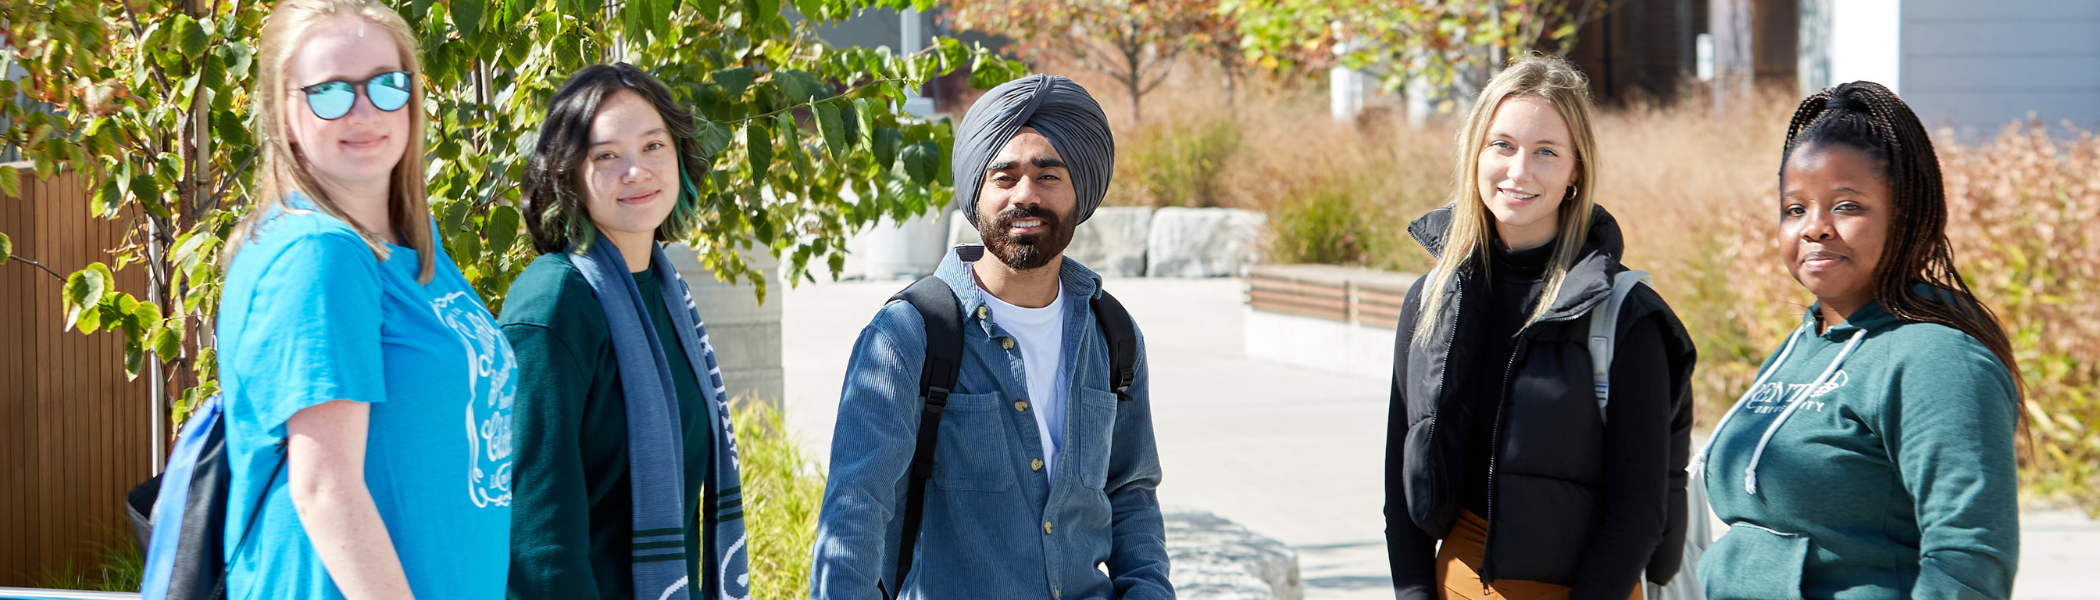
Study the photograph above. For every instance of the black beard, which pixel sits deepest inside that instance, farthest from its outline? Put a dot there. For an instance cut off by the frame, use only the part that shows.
(1029, 251)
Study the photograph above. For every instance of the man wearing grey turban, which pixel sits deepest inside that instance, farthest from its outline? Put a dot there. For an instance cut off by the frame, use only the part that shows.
(1039, 465)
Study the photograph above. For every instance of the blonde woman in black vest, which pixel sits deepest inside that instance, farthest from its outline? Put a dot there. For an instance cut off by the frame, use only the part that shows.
(1497, 445)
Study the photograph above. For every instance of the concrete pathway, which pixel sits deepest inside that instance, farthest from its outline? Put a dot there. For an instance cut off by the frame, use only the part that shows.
(1291, 453)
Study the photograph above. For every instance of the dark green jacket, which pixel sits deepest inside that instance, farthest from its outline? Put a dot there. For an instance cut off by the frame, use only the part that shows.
(572, 517)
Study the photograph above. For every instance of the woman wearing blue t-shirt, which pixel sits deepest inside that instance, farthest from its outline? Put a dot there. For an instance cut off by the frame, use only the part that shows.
(368, 391)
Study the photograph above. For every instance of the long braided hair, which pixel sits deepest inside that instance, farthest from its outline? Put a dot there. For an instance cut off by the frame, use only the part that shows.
(1867, 117)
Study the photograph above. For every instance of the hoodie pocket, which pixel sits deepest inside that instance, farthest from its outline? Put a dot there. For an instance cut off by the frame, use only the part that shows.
(1754, 563)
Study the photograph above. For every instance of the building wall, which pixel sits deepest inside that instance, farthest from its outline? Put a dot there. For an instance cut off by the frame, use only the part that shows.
(1638, 50)
(1976, 66)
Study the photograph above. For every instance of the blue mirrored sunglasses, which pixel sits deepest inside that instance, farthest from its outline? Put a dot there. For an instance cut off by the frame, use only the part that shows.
(330, 100)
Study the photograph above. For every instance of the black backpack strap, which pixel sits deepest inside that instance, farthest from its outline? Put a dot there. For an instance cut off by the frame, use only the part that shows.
(1121, 334)
(937, 304)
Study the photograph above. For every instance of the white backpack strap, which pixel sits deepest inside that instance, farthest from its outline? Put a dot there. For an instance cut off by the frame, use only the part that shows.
(1604, 334)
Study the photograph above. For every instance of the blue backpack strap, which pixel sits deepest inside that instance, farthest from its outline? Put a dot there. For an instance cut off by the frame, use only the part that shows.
(942, 312)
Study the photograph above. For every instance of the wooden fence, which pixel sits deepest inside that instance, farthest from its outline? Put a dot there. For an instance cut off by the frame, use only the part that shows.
(73, 431)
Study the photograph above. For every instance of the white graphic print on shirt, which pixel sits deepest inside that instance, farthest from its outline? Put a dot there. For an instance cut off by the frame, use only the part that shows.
(1773, 397)
(489, 365)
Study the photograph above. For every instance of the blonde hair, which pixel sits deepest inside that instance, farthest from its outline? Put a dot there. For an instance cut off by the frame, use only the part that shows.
(1472, 226)
(285, 171)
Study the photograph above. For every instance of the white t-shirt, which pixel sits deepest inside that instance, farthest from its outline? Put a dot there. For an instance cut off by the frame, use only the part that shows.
(1039, 335)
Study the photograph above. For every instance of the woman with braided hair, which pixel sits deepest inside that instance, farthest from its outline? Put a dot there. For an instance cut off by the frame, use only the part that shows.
(1874, 455)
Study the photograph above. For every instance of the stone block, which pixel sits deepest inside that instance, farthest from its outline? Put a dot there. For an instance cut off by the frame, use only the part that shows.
(1113, 241)
(1203, 242)
(1216, 559)
(745, 333)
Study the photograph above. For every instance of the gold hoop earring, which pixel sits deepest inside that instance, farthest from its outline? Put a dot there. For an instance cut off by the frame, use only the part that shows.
(1572, 191)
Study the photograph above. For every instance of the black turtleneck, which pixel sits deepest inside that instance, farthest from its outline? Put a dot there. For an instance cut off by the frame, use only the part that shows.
(1517, 278)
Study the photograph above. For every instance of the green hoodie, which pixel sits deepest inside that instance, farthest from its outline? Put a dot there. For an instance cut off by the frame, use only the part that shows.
(1893, 478)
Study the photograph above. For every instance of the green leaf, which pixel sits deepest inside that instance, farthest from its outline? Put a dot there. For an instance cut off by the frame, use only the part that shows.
(10, 182)
(236, 59)
(105, 200)
(922, 161)
(888, 140)
(466, 15)
(74, 297)
(810, 9)
(146, 188)
(453, 217)
(944, 173)
(7, 247)
(502, 228)
(734, 81)
(660, 14)
(147, 312)
(469, 246)
(167, 339)
(134, 360)
(797, 156)
(758, 143)
(760, 11)
(713, 137)
(850, 122)
(191, 36)
(800, 86)
(833, 127)
(864, 115)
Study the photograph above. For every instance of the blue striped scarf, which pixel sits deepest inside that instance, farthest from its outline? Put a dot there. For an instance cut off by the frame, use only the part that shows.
(655, 443)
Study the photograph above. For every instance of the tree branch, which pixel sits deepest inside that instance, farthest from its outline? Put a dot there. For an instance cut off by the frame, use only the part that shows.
(54, 274)
(232, 176)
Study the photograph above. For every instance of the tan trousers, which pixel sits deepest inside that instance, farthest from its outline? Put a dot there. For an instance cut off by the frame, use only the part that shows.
(1458, 568)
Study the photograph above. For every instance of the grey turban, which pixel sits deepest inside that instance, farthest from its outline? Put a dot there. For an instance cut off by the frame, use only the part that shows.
(1059, 109)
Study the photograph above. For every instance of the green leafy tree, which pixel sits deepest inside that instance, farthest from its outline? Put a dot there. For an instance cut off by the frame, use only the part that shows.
(147, 102)
(1134, 42)
(1442, 42)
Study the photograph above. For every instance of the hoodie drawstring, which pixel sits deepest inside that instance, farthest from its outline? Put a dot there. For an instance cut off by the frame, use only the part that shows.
(1750, 472)
(1699, 461)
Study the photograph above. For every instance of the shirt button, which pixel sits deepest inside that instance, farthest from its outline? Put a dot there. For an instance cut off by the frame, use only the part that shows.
(1036, 464)
(980, 311)
(1007, 343)
(1056, 593)
(1046, 528)
(1021, 405)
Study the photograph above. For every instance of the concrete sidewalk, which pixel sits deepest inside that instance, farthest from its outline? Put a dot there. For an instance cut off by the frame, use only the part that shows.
(1291, 453)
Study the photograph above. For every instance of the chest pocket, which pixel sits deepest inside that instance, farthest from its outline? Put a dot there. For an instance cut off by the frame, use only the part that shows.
(1096, 436)
(973, 454)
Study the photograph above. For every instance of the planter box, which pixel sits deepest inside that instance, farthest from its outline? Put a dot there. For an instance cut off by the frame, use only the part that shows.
(1339, 319)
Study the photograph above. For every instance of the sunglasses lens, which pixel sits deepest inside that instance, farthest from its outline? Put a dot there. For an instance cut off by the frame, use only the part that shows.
(330, 100)
(389, 92)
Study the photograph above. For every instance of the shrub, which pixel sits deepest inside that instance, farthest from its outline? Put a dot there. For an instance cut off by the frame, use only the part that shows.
(1329, 226)
(1178, 164)
(120, 568)
(782, 494)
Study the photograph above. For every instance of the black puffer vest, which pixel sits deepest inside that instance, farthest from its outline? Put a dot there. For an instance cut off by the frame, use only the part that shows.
(1545, 495)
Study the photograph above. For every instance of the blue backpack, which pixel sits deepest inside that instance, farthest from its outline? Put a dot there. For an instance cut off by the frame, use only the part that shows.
(186, 523)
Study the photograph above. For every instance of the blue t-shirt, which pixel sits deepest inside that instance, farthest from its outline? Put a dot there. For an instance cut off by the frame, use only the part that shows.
(308, 314)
